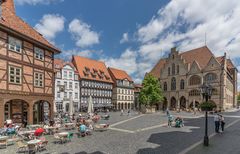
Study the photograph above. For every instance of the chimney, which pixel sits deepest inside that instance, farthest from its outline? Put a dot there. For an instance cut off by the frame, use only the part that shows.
(8, 5)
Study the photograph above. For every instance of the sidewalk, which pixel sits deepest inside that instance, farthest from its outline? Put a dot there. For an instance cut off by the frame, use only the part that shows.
(223, 143)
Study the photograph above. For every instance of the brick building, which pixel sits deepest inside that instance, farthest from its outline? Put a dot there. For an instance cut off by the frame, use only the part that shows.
(181, 75)
(123, 89)
(26, 70)
(95, 81)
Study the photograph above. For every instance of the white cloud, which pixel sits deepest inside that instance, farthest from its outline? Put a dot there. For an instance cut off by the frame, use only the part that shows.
(126, 61)
(50, 25)
(82, 33)
(35, 2)
(124, 38)
(184, 23)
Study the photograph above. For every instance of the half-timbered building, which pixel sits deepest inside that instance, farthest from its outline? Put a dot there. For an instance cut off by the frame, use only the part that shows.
(26, 70)
(95, 81)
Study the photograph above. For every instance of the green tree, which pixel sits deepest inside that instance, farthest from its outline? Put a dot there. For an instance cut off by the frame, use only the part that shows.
(151, 92)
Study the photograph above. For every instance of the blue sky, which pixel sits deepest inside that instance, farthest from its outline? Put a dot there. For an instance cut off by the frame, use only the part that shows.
(134, 34)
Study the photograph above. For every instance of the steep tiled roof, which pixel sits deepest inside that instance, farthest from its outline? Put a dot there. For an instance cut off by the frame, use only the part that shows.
(157, 68)
(91, 69)
(120, 74)
(201, 55)
(11, 21)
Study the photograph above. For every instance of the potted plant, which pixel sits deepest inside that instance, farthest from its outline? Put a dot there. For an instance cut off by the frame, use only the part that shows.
(207, 106)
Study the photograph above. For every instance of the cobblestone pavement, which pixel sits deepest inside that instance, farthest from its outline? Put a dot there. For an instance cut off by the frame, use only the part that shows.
(153, 138)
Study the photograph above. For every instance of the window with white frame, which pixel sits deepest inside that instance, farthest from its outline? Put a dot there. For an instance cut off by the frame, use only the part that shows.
(38, 79)
(58, 83)
(39, 53)
(70, 85)
(65, 74)
(70, 75)
(15, 75)
(76, 85)
(70, 94)
(76, 95)
(58, 75)
(58, 94)
(65, 85)
(14, 44)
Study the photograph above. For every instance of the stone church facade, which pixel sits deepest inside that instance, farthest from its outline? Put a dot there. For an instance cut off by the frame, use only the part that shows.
(181, 75)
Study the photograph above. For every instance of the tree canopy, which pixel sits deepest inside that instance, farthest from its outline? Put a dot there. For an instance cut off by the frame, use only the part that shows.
(151, 92)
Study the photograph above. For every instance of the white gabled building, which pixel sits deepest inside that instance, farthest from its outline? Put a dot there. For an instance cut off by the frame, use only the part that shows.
(66, 87)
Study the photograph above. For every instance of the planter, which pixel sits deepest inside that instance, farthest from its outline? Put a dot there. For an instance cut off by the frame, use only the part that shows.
(207, 106)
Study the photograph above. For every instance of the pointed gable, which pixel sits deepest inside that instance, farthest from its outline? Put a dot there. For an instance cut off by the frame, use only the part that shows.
(201, 55)
(120, 74)
(156, 71)
(10, 21)
(195, 67)
(212, 64)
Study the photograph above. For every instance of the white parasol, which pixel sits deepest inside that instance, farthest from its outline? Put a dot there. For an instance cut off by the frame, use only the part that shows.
(90, 105)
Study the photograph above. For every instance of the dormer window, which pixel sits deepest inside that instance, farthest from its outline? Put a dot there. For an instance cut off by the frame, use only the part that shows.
(39, 54)
(87, 69)
(14, 44)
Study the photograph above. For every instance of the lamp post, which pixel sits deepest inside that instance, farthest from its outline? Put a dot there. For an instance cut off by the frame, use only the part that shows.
(206, 91)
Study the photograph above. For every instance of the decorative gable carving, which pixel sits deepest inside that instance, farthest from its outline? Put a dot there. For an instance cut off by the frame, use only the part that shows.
(195, 68)
(212, 64)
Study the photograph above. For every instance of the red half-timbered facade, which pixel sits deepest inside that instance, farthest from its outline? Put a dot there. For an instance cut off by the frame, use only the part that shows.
(26, 70)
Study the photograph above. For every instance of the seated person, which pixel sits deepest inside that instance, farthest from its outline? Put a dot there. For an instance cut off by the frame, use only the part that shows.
(82, 130)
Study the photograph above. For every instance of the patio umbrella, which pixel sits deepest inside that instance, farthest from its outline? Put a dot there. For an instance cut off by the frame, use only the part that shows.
(90, 105)
(39, 131)
(71, 107)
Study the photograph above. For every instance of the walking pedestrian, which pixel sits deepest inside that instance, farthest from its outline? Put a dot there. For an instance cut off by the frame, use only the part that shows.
(222, 122)
(170, 120)
(217, 123)
(122, 112)
(167, 112)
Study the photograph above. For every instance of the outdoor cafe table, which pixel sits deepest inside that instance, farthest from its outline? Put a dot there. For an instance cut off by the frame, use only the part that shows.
(63, 134)
(3, 137)
(27, 132)
(34, 141)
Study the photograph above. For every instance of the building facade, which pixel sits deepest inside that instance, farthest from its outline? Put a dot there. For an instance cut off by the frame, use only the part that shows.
(95, 81)
(182, 74)
(67, 97)
(137, 90)
(26, 70)
(123, 90)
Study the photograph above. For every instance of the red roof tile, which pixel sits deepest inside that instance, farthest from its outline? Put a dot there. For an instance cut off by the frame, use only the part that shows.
(85, 68)
(11, 21)
(120, 74)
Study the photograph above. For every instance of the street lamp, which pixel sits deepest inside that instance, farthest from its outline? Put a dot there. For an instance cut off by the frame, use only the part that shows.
(206, 91)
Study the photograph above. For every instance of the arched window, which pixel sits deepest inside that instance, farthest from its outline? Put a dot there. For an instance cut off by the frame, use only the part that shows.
(169, 70)
(210, 77)
(177, 69)
(165, 86)
(195, 80)
(173, 69)
(182, 84)
(173, 84)
(194, 93)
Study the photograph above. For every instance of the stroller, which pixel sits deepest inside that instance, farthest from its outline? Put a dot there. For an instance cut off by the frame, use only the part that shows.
(179, 122)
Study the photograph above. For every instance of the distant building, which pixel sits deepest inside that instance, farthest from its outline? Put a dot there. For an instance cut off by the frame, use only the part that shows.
(123, 89)
(95, 81)
(181, 75)
(66, 87)
(26, 70)
(137, 90)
